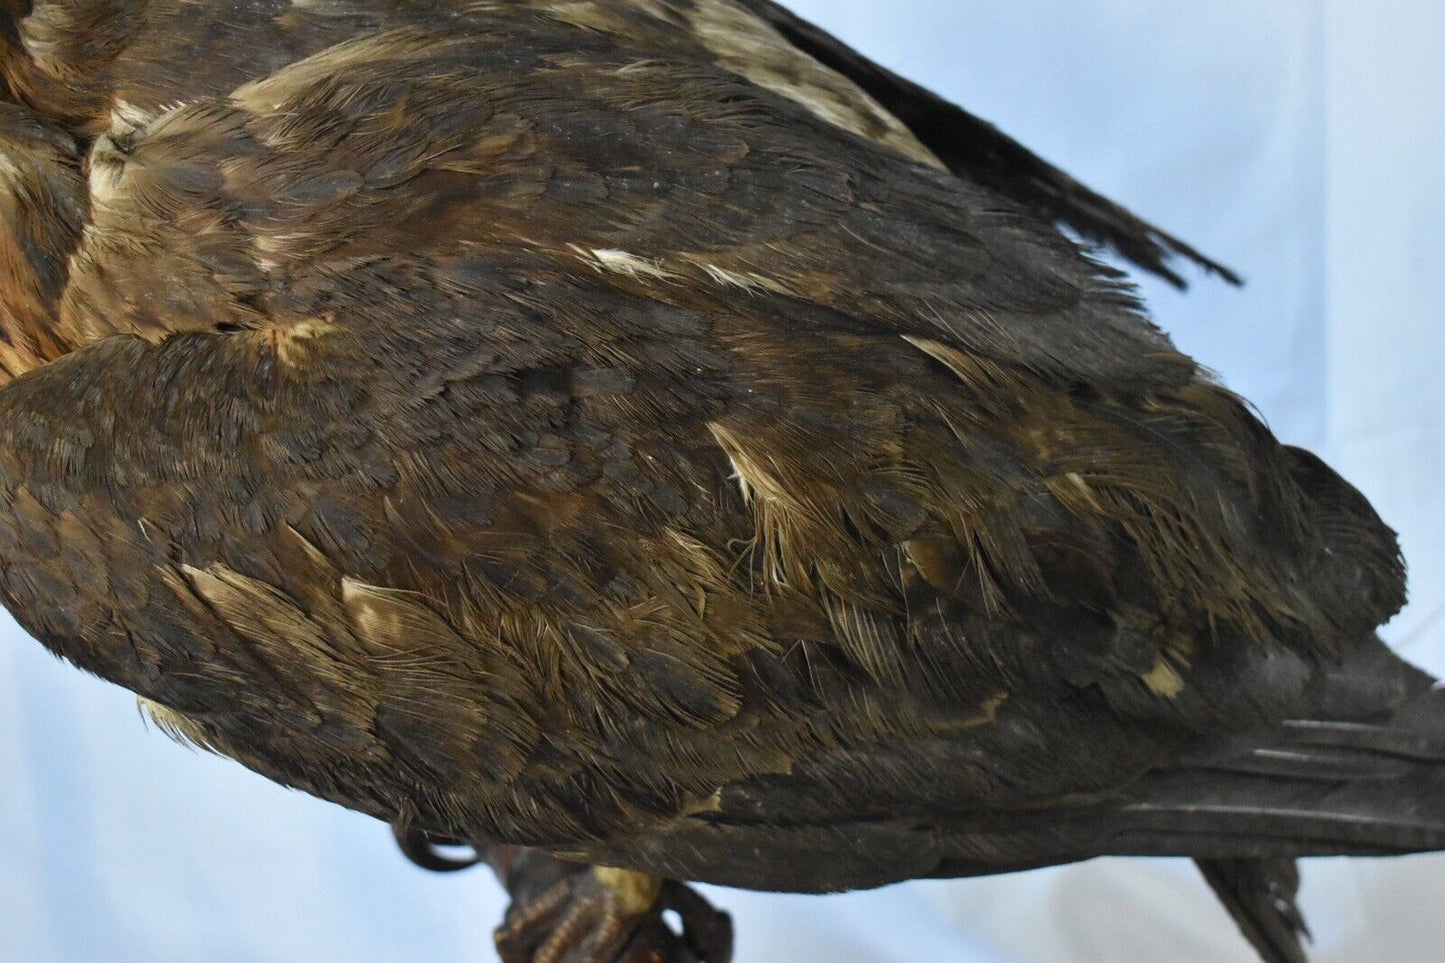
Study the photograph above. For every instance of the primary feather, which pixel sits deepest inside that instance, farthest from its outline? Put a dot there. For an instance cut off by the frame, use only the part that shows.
(649, 432)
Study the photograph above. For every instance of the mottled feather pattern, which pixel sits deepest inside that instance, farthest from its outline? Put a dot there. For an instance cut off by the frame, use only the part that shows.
(554, 424)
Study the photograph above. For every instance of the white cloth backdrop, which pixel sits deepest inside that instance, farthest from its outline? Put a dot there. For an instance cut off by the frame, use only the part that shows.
(1298, 140)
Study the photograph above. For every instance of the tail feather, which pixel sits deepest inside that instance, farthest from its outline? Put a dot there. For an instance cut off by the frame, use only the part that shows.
(1260, 895)
(1365, 775)
(1362, 774)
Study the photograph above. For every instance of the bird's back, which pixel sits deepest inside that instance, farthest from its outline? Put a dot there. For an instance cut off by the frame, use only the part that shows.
(540, 423)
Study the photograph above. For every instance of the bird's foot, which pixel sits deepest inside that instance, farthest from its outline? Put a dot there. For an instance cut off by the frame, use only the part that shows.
(568, 913)
(429, 852)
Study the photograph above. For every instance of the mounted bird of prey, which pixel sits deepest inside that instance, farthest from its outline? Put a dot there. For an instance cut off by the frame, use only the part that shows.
(652, 443)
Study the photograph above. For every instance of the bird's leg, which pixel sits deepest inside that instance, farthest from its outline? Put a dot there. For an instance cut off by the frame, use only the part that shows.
(565, 912)
(572, 913)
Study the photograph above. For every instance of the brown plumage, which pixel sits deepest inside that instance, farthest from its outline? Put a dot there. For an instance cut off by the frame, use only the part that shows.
(652, 434)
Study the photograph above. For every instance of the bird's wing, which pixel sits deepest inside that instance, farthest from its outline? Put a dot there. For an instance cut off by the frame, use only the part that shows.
(167, 51)
(504, 433)
(978, 151)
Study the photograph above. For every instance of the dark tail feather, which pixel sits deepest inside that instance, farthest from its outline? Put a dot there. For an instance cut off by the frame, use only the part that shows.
(1260, 895)
(1364, 776)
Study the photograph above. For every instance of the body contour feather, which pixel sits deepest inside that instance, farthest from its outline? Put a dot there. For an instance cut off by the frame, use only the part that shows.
(605, 428)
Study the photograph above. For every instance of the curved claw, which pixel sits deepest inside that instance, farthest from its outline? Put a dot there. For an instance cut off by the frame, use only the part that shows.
(425, 851)
(581, 914)
(707, 930)
(565, 912)
(578, 918)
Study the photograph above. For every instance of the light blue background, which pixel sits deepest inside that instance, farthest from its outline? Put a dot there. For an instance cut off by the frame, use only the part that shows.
(1298, 140)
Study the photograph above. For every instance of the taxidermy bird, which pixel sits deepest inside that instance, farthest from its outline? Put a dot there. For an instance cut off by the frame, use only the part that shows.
(653, 444)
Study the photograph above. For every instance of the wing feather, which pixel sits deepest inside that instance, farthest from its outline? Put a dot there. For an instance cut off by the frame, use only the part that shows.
(498, 432)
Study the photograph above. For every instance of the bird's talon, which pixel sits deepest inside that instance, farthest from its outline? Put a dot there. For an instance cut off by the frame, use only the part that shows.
(425, 851)
(706, 930)
(537, 913)
(599, 915)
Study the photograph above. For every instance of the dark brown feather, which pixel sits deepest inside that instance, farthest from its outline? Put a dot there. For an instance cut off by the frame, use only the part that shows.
(565, 425)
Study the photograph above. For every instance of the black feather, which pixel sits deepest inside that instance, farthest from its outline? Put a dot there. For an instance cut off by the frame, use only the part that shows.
(978, 151)
(1260, 895)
